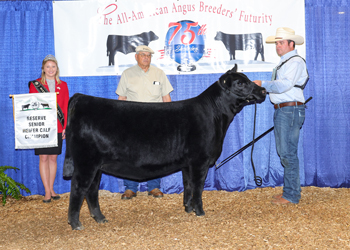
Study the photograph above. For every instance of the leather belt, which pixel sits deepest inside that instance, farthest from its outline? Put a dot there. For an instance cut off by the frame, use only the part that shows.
(285, 104)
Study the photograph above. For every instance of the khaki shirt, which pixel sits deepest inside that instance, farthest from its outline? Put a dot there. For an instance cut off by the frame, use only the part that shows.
(141, 86)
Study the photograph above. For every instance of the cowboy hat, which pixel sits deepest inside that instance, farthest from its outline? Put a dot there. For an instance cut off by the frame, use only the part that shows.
(284, 33)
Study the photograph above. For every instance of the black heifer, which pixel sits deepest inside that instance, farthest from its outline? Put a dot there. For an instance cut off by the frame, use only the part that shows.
(142, 141)
(127, 44)
(235, 42)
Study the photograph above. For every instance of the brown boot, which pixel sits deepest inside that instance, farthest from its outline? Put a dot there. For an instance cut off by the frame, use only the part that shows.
(128, 194)
(156, 193)
(280, 201)
(277, 196)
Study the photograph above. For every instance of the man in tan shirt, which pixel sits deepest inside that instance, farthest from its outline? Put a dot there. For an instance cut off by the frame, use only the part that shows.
(143, 83)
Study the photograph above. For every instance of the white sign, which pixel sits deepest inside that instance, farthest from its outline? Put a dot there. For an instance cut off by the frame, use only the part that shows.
(35, 118)
(191, 37)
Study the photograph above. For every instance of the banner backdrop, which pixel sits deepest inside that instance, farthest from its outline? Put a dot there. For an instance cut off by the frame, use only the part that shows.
(35, 118)
(191, 37)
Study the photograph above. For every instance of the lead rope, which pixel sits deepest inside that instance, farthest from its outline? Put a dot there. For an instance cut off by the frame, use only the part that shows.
(257, 179)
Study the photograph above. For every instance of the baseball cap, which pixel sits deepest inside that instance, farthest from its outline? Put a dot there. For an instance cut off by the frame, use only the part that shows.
(144, 48)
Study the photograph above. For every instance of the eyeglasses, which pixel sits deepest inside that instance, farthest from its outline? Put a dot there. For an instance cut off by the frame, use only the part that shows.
(144, 55)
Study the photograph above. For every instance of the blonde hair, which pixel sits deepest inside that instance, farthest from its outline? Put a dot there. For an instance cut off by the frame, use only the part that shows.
(52, 59)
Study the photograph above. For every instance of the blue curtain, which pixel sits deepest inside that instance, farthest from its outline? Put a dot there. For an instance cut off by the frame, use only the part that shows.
(27, 36)
(326, 130)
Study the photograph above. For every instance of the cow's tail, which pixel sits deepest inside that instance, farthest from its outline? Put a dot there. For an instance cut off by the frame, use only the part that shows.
(68, 166)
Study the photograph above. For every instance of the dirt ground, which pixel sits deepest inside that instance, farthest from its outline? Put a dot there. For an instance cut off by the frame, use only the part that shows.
(233, 220)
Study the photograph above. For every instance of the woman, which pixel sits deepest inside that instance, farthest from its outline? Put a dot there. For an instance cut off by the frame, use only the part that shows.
(48, 156)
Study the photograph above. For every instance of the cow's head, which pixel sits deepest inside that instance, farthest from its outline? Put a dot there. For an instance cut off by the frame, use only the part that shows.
(148, 37)
(153, 36)
(239, 86)
(219, 36)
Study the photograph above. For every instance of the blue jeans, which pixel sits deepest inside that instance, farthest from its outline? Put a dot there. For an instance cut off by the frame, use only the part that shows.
(288, 121)
(151, 184)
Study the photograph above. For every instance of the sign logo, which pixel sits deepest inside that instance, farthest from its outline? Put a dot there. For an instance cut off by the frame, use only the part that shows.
(185, 43)
(104, 12)
(35, 105)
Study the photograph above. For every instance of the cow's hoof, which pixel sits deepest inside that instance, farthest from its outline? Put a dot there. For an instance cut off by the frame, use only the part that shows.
(102, 221)
(79, 226)
(188, 209)
(200, 213)
(99, 219)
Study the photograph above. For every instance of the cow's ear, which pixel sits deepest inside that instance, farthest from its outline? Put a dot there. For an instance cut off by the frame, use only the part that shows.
(234, 69)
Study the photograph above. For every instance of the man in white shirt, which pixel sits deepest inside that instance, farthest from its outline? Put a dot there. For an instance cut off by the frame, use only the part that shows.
(286, 93)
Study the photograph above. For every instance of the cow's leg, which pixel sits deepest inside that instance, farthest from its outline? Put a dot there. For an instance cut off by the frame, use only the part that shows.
(111, 57)
(256, 55)
(262, 53)
(92, 199)
(80, 183)
(75, 201)
(232, 55)
(187, 190)
(198, 178)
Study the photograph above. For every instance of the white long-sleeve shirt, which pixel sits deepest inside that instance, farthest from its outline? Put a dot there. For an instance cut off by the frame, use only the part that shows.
(292, 73)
